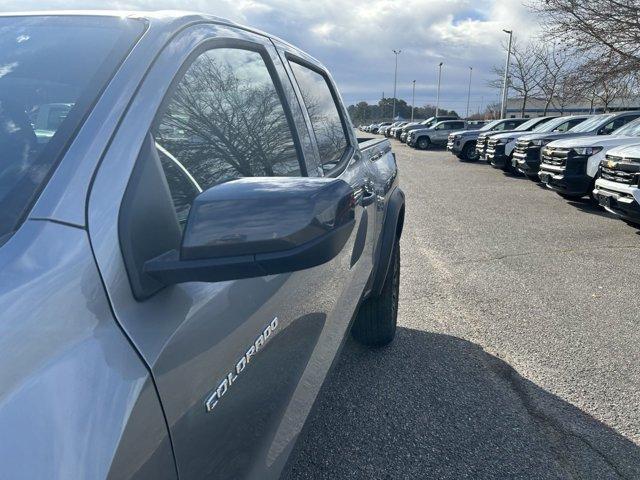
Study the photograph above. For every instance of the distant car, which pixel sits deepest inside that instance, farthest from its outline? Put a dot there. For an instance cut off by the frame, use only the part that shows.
(429, 122)
(482, 142)
(463, 143)
(394, 132)
(500, 146)
(526, 157)
(376, 128)
(437, 134)
(570, 167)
(385, 131)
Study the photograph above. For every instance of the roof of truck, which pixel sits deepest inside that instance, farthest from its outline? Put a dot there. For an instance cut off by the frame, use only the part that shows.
(172, 20)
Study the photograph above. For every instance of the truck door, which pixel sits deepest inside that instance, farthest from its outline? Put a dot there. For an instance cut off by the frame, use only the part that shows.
(338, 151)
(217, 105)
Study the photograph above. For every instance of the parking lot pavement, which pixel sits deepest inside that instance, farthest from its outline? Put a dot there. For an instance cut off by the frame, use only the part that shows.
(518, 349)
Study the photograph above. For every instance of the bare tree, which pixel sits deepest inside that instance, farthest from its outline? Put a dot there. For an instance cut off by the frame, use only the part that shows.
(556, 77)
(602, 29)
(524, 72)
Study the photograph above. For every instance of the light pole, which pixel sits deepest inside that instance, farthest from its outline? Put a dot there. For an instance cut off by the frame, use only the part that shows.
(469, 92)
(505, 86)
(413, 99)
(395, 82)
(438, 96)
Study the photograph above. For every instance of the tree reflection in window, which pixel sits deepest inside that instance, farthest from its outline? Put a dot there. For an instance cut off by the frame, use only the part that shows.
(323, 114)
(225, 120)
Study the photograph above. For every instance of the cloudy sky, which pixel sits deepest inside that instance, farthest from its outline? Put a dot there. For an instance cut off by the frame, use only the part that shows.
(355, 38)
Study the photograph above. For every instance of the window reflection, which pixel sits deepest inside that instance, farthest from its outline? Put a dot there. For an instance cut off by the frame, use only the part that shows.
(324, 115)
(225, 120)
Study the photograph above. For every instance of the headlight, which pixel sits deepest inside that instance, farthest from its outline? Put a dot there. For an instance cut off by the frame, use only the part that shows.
(588, 151)
(506, 140)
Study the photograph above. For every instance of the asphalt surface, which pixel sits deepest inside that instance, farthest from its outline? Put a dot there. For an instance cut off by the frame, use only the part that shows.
(518, 349)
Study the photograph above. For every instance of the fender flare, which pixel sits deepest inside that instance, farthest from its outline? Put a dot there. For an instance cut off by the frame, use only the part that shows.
(391, 230)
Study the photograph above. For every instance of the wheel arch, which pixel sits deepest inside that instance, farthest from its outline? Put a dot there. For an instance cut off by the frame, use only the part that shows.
(391, 231)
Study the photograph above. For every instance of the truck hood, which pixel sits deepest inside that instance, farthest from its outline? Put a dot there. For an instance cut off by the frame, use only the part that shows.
(507, 134)
(626, 151)
(554, 136)
(420, 130)
(595, 141)
(468, 133)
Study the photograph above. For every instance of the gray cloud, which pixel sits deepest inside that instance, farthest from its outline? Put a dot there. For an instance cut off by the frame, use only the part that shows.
(354, 38)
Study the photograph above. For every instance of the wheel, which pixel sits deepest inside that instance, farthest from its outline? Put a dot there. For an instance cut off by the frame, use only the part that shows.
(469, 153)
(423, 143)
(375, 324)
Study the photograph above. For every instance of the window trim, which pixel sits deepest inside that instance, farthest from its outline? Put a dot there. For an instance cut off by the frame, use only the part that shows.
(349, 150)
(237, 44)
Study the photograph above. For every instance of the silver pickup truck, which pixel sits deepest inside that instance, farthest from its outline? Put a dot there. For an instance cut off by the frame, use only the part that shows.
(182, 260)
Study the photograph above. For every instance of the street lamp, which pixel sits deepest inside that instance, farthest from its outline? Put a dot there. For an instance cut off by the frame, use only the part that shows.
(438, 97)
(505, 86)
(469, 92)
(395, 82)
(413, 99)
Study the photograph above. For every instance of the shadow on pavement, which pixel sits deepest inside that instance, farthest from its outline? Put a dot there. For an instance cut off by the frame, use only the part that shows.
(586, 206)
(434, 406)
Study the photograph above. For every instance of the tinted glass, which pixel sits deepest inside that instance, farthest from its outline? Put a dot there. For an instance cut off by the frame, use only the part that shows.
(51, 71)
(560, 122)
(511, 124)
(616, 124)
(532, 124)
(224, 120)
(490, 126)
(592, 123)
(324, 114)
(632, 129)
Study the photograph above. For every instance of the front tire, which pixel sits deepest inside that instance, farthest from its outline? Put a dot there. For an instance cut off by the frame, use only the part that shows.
(375, 324)
(423, 143)
(469, 153)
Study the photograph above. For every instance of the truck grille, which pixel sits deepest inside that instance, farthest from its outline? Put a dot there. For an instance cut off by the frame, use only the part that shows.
(620, 170)
(555, 156)
(522, 146)
(617, 169)
(481, 144)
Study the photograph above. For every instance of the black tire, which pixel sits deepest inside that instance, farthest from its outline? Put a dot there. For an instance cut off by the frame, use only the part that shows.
(423, 143)
(375, 325)
(469, 153)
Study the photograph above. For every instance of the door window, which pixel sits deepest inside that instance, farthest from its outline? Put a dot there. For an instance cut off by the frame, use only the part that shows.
(616, 124)
(223, 120)
(324, 114)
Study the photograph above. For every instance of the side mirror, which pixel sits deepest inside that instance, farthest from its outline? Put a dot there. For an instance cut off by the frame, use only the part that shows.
(259, 226)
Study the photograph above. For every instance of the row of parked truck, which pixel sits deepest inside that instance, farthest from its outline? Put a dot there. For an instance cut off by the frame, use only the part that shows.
(595, 156)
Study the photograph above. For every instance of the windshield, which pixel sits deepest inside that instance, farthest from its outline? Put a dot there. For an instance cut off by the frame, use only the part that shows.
(631, 129)
(51, 71)
(551, 125)
(489, 125)
(526, 126)
(590, 124)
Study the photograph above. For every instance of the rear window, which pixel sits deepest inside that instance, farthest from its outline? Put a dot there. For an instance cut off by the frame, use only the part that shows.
(51, 71)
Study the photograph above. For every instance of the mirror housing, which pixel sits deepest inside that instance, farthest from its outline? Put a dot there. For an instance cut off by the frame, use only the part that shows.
(259, 226)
